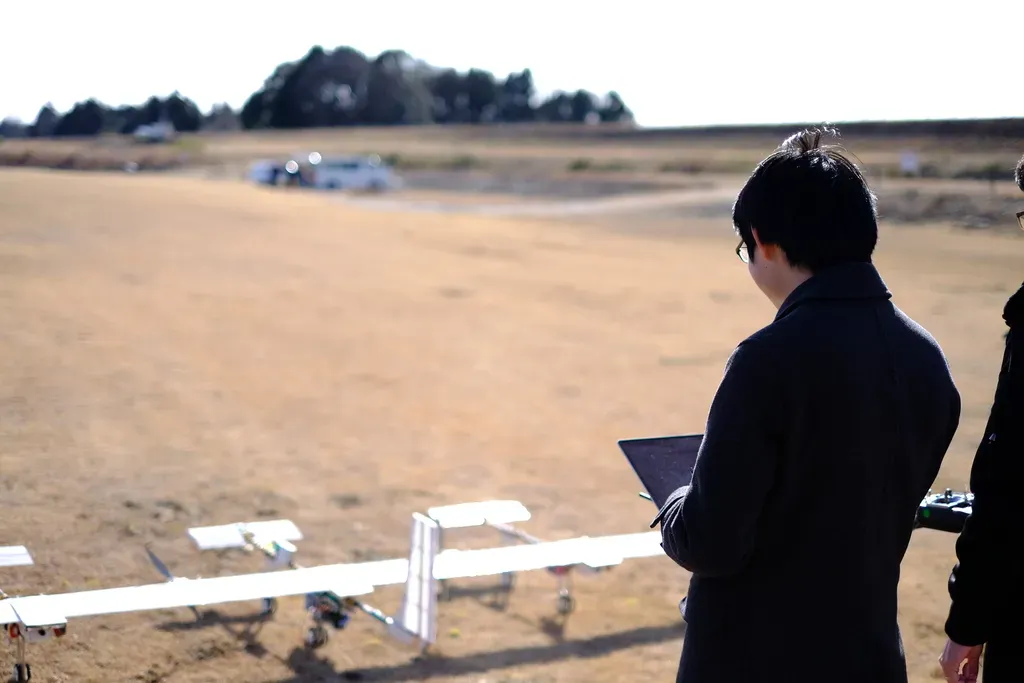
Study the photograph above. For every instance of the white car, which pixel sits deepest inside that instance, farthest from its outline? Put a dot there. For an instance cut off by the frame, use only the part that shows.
(355, 173)
(161, 131)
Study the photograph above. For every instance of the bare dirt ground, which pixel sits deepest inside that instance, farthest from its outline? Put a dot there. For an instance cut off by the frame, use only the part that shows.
(178, 352)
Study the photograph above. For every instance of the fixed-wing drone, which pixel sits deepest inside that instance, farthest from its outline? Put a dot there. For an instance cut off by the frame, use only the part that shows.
(274, 539)
(330, 591)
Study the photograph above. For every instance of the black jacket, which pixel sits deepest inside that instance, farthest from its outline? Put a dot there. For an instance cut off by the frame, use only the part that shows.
(828, 428)
(985, 585)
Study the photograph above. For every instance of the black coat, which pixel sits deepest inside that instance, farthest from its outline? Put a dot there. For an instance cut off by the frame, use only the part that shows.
(827, 430)
(986, 583)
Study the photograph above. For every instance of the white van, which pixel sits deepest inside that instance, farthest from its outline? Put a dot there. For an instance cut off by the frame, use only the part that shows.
(355, 173)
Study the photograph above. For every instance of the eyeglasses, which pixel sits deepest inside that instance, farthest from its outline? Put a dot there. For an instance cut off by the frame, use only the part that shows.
(1020, 219)
(741, 249)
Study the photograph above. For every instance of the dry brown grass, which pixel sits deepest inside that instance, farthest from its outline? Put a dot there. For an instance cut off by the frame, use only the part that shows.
(524, 149)
(101, 154)
(177, 353)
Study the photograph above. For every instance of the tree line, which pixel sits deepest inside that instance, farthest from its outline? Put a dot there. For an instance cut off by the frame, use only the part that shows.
(344, 87)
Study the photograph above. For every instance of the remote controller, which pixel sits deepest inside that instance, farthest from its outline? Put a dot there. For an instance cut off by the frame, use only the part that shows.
(946, 511)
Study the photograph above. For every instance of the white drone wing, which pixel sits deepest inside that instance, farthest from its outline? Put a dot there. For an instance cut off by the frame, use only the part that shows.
(14, 556)
(230, 535)
(593, 552)
(48, 610)
(462, 515)
(629, 546)
(383, 572)
(596, 552)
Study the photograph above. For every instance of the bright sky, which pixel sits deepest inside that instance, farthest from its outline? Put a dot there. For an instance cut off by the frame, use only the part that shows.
(675, 62)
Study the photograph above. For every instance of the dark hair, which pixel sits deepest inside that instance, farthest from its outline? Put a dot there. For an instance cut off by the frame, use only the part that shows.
(1018, 174)
(811, 201)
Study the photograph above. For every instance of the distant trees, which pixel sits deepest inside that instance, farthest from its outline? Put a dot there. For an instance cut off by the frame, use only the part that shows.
(344, 87)
(46, 122)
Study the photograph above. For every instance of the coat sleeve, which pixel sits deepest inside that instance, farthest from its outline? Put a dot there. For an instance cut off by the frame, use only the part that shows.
(983, 574)
(709, 528)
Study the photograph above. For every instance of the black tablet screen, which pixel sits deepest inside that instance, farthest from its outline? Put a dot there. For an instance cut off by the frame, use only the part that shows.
(662, 463)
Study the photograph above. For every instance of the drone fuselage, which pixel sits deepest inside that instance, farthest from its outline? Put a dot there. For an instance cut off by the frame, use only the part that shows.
(35, 634)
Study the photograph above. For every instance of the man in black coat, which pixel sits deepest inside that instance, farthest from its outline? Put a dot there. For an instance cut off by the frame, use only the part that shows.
(827, 430)
(985, 585)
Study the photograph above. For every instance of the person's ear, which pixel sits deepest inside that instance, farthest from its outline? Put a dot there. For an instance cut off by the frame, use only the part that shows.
(770, 251)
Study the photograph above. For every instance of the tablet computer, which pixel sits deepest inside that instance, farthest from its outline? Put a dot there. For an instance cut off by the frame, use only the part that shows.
(662, 463)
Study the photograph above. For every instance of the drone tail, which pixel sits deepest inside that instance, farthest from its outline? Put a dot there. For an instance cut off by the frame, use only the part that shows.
(418, 614)
(15, 556)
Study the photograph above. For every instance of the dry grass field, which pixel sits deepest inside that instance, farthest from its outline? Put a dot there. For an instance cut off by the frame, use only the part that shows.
(178, 351)
(540, 147)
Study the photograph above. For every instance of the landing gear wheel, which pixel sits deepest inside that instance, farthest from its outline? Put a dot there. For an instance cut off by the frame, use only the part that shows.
(316, 637)
(22, 673)
(566, 604)
(443, 592)
(269, 606)
(508, 580)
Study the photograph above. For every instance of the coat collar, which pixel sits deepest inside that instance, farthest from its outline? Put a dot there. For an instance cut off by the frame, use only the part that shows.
(846, 281)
